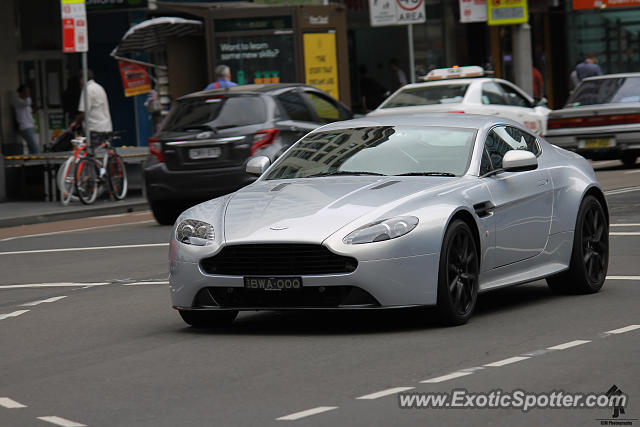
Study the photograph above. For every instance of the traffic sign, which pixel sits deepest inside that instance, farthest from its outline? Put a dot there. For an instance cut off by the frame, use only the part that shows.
(74, 26)
(507, 12)
(396, 12)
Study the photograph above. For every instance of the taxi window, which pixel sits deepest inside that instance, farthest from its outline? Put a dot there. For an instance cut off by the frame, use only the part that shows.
(514, 98)
(428, 95)
(494, 94)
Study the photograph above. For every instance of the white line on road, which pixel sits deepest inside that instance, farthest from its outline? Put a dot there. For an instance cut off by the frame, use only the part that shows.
(34, 303)
(145, 283)
(10, 403)
(13, 314)
(75, 230)
(623, 330)
(621, 191)
(568, 345)
(625, 225)
(630, 172)
(446, 377)
(91, 248)
(507, 361)
(54, 285)
(623, 277)
(61, 421)
(624, 233)
(384, 393)
(307, 413)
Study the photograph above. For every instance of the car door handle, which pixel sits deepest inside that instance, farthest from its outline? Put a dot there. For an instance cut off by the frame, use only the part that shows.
(543, 182)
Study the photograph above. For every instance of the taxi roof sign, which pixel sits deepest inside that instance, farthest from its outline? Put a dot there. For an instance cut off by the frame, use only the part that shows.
(454, 72)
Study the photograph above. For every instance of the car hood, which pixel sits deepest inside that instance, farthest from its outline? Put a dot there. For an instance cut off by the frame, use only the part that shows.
(311, 209)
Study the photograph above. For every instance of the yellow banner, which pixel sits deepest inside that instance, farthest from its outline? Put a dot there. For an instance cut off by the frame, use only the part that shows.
(507, 12)
(72, 1)
(321, 62)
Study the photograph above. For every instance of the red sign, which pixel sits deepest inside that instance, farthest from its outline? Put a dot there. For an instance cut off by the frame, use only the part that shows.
(74, 26)
(603, 4)
(68, 36)
(135, 78)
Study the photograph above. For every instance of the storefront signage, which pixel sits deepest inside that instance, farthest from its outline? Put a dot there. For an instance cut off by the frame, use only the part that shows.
(473, 11)
(396, 12)
(321, 62)
(74, 26)
(135, 79)
(603, 4)
(507, 12)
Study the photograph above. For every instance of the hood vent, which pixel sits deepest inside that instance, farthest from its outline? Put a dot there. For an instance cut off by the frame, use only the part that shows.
(384, 184)
(280, 186)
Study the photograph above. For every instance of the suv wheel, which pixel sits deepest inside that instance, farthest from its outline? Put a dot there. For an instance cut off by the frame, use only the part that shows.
(165, 213)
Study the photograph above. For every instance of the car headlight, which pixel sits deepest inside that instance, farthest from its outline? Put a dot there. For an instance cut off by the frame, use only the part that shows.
(382, 230)
(194, 232)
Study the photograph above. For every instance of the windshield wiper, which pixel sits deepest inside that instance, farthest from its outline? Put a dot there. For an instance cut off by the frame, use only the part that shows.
(345, 173)
(427, 174)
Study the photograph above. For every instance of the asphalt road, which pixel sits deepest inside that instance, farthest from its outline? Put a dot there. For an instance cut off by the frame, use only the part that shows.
(88, 338)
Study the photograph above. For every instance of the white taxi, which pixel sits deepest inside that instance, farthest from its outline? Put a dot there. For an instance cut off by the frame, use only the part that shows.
(466, 90)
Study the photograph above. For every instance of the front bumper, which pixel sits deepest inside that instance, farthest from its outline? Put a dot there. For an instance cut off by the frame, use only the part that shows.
(395, 282)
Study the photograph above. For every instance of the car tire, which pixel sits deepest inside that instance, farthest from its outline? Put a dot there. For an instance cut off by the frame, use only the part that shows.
(458, 275)
(629, 160)
(208, 319)
(589, 255)
(165, 213)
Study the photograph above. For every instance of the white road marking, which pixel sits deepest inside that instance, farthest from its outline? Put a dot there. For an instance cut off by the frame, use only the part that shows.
(91, 248)
(384, 393)
(145, 283)
(623, 277)
(507, 361)
(446, 377)
(61, 421)
(621, 191)
(74, 230)
(10, 403)
(624, 233)
(34, 303)
(623, 330)
(307, 413)
(13, 314)
(568, 345)
(630, 172)
(625, 225)
(54, 285)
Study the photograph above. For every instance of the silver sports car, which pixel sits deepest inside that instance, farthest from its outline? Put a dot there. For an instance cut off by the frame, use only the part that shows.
(394, 211)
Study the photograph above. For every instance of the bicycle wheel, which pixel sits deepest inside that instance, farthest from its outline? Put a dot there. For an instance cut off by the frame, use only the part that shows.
(117, 176)
(87, 180)
(66, 182)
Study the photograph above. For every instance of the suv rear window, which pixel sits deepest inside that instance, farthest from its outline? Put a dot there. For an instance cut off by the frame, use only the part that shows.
(216, 113)
(437, 94)
(606, 91)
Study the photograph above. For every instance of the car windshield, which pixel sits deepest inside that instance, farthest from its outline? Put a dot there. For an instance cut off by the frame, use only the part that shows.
(606, 91)
(428, 95)
(379, 150)
(215, 112)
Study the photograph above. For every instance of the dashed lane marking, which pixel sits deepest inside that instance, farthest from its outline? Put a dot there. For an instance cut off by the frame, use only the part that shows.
(621, 191)
(625, 225)
(14, 314)
(630, 172)
(145, 283)
(624, 233)
(34, 303)
(61, 421)
(508, 361)
(447, 377)
(384, 393)
(623, 278)
(5, 402)
(568, 345)
(54, 285)
(52, 233)
(91, 248)
(623, 330)
(307, 413)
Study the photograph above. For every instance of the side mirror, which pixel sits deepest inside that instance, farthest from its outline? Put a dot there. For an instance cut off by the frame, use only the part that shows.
(542, 102)
(257, 165)
(519, 160)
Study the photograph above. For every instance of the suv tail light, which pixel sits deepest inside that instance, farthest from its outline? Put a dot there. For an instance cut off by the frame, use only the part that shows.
(612, 119)
(263, 137)
(155, 148)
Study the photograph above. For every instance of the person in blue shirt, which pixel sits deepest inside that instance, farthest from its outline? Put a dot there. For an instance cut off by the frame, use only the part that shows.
(223, 78)
(588, 67)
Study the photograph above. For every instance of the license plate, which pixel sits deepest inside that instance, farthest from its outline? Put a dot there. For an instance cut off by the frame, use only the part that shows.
(205, 153)
(598, 143)
(273, 283)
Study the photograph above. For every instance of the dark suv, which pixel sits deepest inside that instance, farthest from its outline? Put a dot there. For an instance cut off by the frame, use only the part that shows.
(205, 142)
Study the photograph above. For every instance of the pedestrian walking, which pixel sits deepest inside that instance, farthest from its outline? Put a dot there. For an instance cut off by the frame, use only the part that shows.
(538, 83)
(97, 110)
(399, 77)
(24, 117)
(588, 67)
(223, 78)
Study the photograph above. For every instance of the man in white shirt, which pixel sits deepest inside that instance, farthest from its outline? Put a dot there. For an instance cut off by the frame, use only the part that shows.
(24, 117)
(98, 116)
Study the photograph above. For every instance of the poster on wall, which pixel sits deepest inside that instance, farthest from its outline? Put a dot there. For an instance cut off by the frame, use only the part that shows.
(473, 11)
(257, 59)
(135, 79)
(507, 12)
(321, 62)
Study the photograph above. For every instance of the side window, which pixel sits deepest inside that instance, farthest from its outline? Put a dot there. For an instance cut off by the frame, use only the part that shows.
(493, 93)
(524, 139)
(515, 98)
(327, 109)
(295, 106)
(485, 164)
(504, 138)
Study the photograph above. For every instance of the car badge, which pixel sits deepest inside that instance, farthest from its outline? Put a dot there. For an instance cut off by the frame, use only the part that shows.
(203, 135)
(278, 227)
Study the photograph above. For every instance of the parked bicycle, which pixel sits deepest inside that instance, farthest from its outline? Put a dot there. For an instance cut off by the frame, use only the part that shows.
(65, 178)
(108, 170)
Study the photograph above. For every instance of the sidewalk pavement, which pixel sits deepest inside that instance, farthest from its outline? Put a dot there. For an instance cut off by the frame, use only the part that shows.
(15, 213)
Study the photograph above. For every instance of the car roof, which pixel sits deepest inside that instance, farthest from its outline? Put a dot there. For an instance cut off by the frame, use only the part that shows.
(245, 89)
(612, 76)
(476, 121)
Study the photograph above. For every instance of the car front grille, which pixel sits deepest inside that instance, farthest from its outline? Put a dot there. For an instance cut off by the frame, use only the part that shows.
(277, 260)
